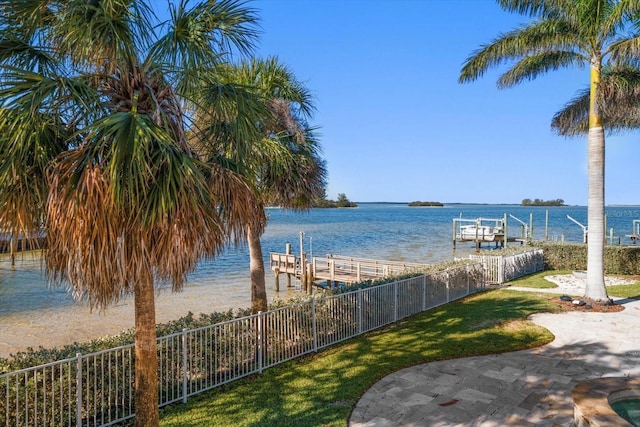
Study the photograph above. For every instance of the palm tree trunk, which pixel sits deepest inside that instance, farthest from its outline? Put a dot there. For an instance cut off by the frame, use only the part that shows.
(256, 266)
(595, 289)
(146, 364)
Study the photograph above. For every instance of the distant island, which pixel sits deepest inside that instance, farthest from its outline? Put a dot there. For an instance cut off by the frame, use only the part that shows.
(540, 202)
(418, 203)
(342, 202)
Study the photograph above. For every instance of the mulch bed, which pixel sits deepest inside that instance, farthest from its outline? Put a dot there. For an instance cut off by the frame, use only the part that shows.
(594, 308)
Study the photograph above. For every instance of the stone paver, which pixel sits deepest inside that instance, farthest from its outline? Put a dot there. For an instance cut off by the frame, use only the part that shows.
(522, 388)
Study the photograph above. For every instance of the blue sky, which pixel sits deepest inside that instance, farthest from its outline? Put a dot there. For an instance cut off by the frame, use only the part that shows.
(395, 124)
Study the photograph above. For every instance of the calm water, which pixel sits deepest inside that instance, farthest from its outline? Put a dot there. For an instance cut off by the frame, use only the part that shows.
(31, 314)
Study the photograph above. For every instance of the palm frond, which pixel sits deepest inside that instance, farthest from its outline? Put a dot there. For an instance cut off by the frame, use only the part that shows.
(625, 50)
(294, 174)
(532, 66)
(106, 34)
(19, 53)
(573, 119)
(197, 39)
(28, 145)
(538, 39)
(237, 201)
(230, 114)
(537, 8)
(618, 102)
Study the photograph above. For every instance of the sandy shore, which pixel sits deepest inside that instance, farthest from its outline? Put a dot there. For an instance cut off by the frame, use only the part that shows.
(73, 322)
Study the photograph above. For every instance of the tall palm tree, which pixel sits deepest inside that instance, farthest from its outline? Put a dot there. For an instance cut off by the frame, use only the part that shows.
(563, 34)
(128, 204)
(284, 166)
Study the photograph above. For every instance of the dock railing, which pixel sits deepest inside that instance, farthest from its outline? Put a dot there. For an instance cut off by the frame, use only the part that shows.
(97, 389)
(500, 269)
(348, 270)
(284, 263)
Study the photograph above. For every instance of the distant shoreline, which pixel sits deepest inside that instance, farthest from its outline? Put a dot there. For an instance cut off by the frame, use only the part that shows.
(497, 204)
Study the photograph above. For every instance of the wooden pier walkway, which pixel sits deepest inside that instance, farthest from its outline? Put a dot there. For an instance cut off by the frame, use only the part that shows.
(341, 269)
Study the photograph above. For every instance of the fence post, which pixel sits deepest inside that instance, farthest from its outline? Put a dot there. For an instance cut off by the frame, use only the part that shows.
(468, 279)
(359, 311)
(184, 365)
(447, 283)
(260, 344)
(395, 301)
(79, 390)
(315, 325)
(424, 292)
(485, 270)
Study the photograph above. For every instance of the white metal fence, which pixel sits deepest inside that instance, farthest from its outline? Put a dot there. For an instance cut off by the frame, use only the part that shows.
(504, 268)
(97, 389)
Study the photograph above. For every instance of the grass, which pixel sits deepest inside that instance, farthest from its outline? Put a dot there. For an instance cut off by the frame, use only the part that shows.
(321, 390)
(537, 280)
(631, 291)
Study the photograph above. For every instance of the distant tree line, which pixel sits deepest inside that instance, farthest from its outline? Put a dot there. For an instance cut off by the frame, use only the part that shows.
(419, 203)
(342, 202)
(540, 202)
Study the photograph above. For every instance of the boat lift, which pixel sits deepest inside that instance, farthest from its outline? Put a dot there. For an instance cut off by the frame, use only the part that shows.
(525, 229)
(635, 234)
(585, 229)
(480, 230)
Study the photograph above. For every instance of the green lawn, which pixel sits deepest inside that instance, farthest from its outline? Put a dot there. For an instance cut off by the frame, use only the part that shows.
(625, 291)
(320, 390)
(537, 280)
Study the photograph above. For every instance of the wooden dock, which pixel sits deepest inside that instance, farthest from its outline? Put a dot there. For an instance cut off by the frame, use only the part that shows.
(343, 269)
(338, 269)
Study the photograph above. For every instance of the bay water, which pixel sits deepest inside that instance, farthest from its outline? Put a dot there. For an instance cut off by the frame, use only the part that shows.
(33, 314)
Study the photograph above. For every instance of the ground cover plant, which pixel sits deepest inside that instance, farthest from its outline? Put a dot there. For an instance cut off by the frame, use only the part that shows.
(322, 389)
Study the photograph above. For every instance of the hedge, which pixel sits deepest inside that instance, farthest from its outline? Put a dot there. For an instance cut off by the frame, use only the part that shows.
(618, 259)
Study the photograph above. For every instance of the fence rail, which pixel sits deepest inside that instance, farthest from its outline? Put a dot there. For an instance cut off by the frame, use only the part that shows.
(354, 270)
(504, 268)
(98, 389)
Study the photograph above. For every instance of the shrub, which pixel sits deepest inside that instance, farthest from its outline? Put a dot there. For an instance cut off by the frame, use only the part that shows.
(573, 256)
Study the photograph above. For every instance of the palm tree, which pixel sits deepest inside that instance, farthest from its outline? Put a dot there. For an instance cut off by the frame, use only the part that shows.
(569, 33)
(284, 167)
(128, 203)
